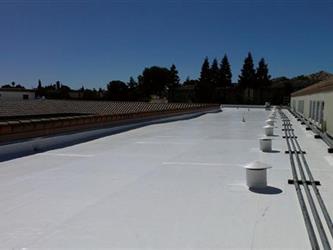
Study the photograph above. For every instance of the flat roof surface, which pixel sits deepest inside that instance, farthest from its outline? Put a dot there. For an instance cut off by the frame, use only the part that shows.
(172, 185)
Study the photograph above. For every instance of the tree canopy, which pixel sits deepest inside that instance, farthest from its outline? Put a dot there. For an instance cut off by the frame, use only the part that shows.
(117, 91)
(247, 78)
(262, 76)
(225, 72)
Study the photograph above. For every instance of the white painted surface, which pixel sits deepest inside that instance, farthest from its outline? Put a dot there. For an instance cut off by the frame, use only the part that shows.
(186, 189)
(256, 178)
(256, 174)
(269, 130)
(30, 146)
(327, 98)
(265, 144)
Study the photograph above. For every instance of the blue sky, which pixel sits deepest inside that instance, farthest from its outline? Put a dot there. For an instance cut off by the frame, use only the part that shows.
(86, 42)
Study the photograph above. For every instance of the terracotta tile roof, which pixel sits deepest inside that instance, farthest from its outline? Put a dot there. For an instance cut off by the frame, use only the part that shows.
(47, 107)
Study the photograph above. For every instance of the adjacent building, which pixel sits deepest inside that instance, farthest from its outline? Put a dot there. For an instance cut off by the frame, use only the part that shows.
(16, 94)
(315, 103)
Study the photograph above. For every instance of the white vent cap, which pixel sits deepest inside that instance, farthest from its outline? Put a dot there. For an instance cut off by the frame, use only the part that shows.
(257, 165)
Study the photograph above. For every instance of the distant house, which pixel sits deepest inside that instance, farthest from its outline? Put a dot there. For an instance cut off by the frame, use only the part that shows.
(158, 99)
(15, 94)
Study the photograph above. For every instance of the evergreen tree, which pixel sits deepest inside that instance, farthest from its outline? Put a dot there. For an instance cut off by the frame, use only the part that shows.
(40, 89)
(204, 89)
(225, 73)
(247, 78)
(132, 83)
(205, 71)
(262, 75)
(174, 76)
(58, 85)
(214, 73)
(133, 90)
(174, 82)
(39, 84)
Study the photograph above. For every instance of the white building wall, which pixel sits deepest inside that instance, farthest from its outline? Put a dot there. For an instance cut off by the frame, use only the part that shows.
(313, 112)
(16, 95)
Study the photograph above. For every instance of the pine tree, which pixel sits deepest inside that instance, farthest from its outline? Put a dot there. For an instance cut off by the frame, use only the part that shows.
(174, 82)
(204, 88)
(39, 85)
(225, 73)
(174, 75)
(40, 91)
(205, 71)
(132, 83)
(214, 73)
(262, 75)
(247, 78)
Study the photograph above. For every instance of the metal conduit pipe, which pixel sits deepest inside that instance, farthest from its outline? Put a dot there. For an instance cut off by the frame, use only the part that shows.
(308, 223)
(314, 210)
(316, 191)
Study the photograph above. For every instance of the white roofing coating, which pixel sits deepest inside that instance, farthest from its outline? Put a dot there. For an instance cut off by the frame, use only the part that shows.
(171, 185)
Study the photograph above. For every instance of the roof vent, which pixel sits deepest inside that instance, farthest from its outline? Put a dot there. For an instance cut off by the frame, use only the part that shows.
(270, 122)
(256, 174)
(272, 115)
(269, 130)
(265, 144)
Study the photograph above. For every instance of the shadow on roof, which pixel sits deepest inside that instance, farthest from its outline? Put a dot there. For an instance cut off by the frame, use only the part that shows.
(266, 190)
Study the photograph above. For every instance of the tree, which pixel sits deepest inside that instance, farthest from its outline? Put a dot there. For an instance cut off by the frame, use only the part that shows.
(189, 82)
(39, 84)
(132, 83)
(214, 73)
(247, 78)
(117, 91)
(64, 91)
(133, 90)
(174, 75)
(58, 85)
(263, 78)
(40, 89)
(204, 90)
(205, 71)
(225, 73)
(154, 81)
(174, 82)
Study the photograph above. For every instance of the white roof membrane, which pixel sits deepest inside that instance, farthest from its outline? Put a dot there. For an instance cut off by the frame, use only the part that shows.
(172, 185)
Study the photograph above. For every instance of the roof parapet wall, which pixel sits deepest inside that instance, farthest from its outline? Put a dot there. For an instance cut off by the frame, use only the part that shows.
(30, 128)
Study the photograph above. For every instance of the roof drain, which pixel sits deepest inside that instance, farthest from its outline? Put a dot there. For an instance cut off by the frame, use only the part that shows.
(256, 174)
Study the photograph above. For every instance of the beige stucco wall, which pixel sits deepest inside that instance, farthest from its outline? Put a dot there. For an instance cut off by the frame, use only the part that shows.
(327, 98)
(15, 95)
